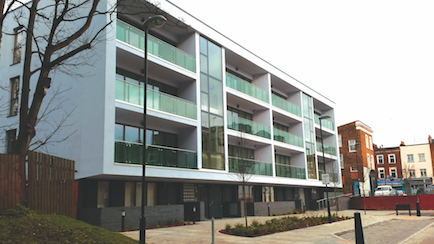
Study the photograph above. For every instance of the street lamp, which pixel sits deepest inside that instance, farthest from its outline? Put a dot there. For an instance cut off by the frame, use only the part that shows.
(323, 162)
(153, 21)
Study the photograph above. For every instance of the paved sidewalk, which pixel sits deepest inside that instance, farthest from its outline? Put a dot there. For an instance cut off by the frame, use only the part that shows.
(382, 227)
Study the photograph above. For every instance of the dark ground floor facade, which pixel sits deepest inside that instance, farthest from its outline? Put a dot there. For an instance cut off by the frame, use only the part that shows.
(107, 203)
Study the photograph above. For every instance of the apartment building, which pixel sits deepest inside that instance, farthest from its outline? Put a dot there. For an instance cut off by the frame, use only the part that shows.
(357, 157)
(416, 163)
(388, 167)
(212, 106)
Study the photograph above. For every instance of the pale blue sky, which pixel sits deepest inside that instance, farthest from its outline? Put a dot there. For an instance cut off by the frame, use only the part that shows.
(374, 59)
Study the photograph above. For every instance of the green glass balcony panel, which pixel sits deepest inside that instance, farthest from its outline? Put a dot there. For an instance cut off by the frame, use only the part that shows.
(246, 87)
(131, 153)
(327, 149)
(133, 93)
(288, 138)
(135, 37)
(246, 166)
(325, 123)
(289, 171)
(248, 126)
(334, 177)
(285, 105)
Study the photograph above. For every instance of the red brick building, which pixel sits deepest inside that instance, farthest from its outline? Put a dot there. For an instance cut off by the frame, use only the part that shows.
(356, 157)
(388, 162)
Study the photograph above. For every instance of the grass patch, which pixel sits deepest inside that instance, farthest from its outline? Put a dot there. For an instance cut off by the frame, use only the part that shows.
(278, 225)
(20, 225)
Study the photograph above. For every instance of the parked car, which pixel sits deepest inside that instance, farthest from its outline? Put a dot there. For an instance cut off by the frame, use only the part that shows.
(383, 191)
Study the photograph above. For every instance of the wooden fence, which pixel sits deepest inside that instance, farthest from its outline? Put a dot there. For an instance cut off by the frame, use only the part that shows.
(12, 180)
(50, 183)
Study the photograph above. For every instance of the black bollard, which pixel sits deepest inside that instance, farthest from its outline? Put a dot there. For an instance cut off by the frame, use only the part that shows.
(123, 220)
(417, 209)
(194, 214)
(358, 228)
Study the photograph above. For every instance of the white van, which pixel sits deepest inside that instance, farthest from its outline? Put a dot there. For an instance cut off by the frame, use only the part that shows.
(383, 191)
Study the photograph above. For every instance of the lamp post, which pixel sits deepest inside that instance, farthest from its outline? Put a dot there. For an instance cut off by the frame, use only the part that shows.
(323, 162)
(153, 21)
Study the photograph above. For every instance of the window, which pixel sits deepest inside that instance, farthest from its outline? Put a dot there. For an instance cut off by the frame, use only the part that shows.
(367, 141)
(340, 140)
(380, 159)
(353, 169)
(368, 160)
(341, 159)
(10, 140)
(370, 143)
(372, 162)
(421, 157)
(392, 172)
(410, 158)
(15, 89)
(18, 43)
(412, 172)
(391, 158)
(422, 172)
(352, 145)
(381, 174)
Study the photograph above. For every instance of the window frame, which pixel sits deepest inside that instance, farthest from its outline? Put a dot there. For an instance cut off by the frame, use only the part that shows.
(423, 157)
(396, 172)
(408, 158)
(351, 145)
(14, 96)
(424, 174)
(390, 157)
(10, 141)
(381, 171)
(17, 49)
(380, 159)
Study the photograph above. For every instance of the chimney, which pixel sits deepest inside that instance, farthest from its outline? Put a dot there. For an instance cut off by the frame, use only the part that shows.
(429, 139)
(402, 144)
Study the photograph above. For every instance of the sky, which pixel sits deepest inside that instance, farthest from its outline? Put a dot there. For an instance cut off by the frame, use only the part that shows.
(373, 58)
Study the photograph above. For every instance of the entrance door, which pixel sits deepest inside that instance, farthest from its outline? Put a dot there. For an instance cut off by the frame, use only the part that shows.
(215, 201)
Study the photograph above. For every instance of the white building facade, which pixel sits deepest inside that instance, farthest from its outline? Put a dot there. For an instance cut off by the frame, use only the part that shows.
(211, 106)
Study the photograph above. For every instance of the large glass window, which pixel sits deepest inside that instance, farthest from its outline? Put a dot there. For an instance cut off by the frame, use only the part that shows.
(211, 105)
(421, 157)
(309, 137)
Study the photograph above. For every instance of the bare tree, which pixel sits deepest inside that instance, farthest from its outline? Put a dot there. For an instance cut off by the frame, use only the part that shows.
(56, 35)
(243, 169)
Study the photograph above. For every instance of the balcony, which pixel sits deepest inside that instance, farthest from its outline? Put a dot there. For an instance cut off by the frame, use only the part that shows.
(133, 93)
(246, 87)
(289, 171)
(247, 166)
(248, 126)
(334, 177)
(156, 47)
(288, 138)
(285, 105)
(327, 149)
(131, 153)
(325, 123)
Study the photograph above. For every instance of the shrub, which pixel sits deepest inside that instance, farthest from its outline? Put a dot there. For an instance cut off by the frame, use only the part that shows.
(255, 223)
(239, 229)
(227, 228)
